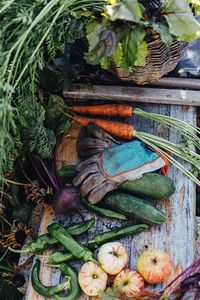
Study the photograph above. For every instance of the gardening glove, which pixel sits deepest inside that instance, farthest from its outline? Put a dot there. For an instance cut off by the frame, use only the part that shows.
(105, 171)
(93, 140)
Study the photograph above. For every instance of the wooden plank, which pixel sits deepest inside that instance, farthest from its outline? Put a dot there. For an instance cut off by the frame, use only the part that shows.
(181, 83)
(134, 94)
(177, 236)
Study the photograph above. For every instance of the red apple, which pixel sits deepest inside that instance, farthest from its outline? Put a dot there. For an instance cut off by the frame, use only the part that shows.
(113, 257)
(128, 283)
(154, 265)
(92, 279)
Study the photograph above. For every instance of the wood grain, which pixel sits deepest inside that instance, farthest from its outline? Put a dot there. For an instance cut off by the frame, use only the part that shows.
(134, 94)
(177, 236)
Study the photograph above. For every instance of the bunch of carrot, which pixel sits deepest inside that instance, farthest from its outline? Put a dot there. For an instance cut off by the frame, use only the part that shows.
(127, 131)
(116, 110)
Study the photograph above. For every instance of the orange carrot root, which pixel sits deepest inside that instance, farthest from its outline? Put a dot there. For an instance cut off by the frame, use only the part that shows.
(121, 130)
(111, 110)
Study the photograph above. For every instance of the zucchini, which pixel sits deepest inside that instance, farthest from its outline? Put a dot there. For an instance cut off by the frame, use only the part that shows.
(153, 185)
(135, 207)
(67, 171)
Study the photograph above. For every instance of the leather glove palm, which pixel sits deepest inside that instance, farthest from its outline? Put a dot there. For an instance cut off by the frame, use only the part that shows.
(105, 171)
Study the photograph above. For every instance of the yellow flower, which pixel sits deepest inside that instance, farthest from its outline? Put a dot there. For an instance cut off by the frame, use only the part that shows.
(112, 2)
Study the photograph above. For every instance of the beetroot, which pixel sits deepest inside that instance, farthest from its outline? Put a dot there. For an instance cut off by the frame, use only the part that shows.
(66, 200)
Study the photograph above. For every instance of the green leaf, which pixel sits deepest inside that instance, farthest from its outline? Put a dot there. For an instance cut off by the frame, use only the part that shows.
(118, 55)
(64, 125)
(183, 26)
(163, 30)
(176, 6)
(105, 62)
(81, 13)
(109, 294)
(181, 21)
(128, 10)
(103, 40)
(55, 119)
(142, 54)
(23, 212)
(8, 291)
(131, 46)
(67, 171)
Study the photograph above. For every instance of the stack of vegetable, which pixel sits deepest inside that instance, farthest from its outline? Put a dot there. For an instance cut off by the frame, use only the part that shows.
(188, 132)
(34, 54)
(124, 207)
(96, 276)
(73, 251)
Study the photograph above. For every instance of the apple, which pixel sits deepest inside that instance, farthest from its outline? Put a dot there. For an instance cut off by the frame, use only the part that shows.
(154, 265)
(92, 279)
(128, 283)
(112, 257)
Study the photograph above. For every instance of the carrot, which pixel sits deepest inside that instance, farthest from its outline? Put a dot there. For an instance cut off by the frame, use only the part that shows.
(111, 110)
(121, 130)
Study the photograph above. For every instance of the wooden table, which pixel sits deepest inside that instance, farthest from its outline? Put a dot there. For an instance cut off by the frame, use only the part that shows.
(177, 236)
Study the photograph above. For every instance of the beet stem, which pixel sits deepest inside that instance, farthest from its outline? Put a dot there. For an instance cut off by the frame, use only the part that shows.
(53, 180)
(38, 173)
(186, 274)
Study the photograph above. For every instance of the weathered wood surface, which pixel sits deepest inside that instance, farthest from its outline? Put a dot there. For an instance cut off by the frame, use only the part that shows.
(134, 94)
(177, 236)
(181, 83)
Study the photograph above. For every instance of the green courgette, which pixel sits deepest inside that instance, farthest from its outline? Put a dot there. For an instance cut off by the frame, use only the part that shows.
(67, 171)
(135, 207)
(153, 185)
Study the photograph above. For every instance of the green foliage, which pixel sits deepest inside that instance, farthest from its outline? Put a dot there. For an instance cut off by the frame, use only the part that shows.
(118, 55)
(63, 70)
(31, 33)
(8, 291)
(110, 294)
(103, 39)
(181, 21)
(163, 30)
(132, 45)
(55, 119)
(33, 133)
(128, 10)
(178, 26)
(129, 24)
(22, 212)
(142, 52)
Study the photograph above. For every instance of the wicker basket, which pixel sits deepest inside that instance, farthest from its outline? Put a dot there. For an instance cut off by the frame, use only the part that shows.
(160, 61)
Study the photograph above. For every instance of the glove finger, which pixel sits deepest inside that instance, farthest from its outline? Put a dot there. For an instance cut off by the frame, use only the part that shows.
(99, 133)
(90, 183)
(91, 143)
(88, 153)
(101, 190)
(87, 162)
(92, 168)
(90, 146)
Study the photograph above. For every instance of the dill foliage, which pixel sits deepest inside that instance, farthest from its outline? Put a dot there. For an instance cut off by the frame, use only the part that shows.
(31, 33)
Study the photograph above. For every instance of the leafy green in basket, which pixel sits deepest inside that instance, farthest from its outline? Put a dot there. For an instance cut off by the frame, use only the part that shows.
(131, 24)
